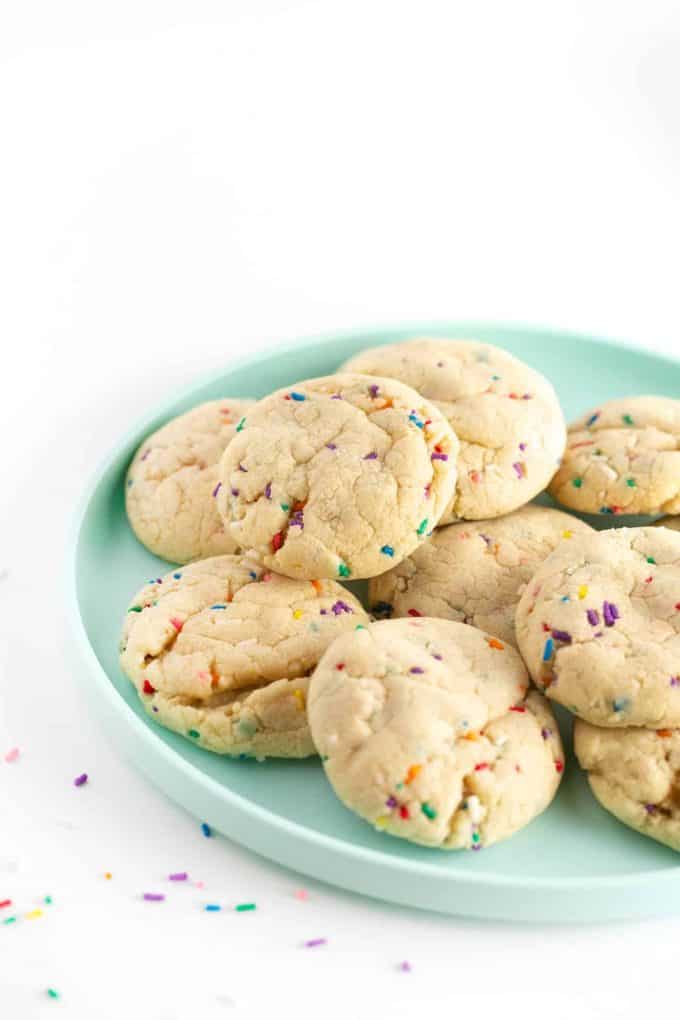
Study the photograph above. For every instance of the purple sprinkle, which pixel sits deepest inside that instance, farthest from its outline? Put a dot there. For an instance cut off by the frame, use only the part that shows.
(610, 613)
(391, 802)
(562, 635)
(371, 456)
(675, 681)
(545, 733)
(427, 491)
(336, 396)
(436, 655)
(80, 780)
(241, 468)
(235, 492)
(599, 633)
(486, 539)
(310, 943)
(145, 454)
(650, 808)
(522, 447)
(439, 456)
(296, 520)
(526, 396)
(324, 612)
(374, 390)
(178, 876)
(405, 967)
(518, 469)
(331, 446)
(153, 897)
(154, 708)
(416, 669)
(476, 846)
(340, 607)
(217, 489)
(593, 617)
(268, 490)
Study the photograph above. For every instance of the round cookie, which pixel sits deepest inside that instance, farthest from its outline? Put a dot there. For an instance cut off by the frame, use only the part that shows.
(635, 774)
(221, 651)
(623, 458)
(506, 415)
(599, 627)
(474, 572)
(171, 482)
(426, 730)
(337, 477)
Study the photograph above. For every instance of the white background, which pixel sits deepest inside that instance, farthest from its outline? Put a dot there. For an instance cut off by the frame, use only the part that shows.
(181, 183)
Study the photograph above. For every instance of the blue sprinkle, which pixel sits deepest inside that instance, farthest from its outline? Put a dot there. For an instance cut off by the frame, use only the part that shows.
(252, 574)
(565, 598)
(212, 907)
(297, 396)
(205, 829)
(548, 650)
(388, 550)
(620, 704)
(177, 576)
(606, 510)
(218, 605)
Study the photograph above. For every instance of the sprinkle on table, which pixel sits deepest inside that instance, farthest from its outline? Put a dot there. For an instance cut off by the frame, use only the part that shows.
(212, 908)
(5, 903)
(80, 780)
(153, 897)
(178, 876)
(205, 829)
(52, 993)
(311, 943)
(405, 967)
(301, 894)
(12, 755)
(242, 907)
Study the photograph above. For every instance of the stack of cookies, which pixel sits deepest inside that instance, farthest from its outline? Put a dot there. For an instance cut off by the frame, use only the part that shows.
(414, 467)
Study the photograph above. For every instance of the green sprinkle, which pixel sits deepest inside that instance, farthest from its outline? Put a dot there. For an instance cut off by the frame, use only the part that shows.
(135, 609)
(577, 482)
(193, 733)
(244, 906)
(422, 526)
(360, 626)
(241, 424)
(343, 570)
(399, 786)
(48, 899)
(53, 993)
(630, 482)
(627, 420)
(650, 559)
(285, 506)
(9, 920)
(428, 811)
(475, 837)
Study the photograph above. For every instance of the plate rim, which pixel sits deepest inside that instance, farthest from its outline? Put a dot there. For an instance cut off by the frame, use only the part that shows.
(147, 740)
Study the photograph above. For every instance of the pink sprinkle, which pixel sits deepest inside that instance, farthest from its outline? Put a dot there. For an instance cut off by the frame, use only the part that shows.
(178, 876)
(200, 885)
(80, 780)
(315, 942)
(12, 755)
(177, 624)
(153, 897)
(405, 967)
(301, 894)
(519, 469)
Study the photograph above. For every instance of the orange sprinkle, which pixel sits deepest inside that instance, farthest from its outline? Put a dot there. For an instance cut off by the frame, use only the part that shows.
(316, 586)
(413, 771)
(664, 733)
(495, 643)
(472, 735)
(107, 875)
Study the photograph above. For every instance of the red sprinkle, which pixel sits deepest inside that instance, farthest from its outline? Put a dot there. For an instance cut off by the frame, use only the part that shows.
(277, 541)
(5, 903)
(482, 765)
(414, 612)
(546, 627)
(148, 688)
(403, 811)
(340, 665)
(177, 624)
(559, 765)
(518, 708)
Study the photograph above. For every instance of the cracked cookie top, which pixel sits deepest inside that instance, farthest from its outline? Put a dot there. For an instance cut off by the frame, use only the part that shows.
(474, 572)
(426, 730)
(635, 774)
(599, 626)
(226, 623)
(337, 477)
(623, 458)
(170, 490)
(505, 414)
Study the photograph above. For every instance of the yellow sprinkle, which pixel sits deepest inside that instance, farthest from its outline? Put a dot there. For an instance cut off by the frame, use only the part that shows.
(33, 915)
(381, 821)
(567, 533)
(300, 695)
(583, 591)
(472, 735)
(297, 614)
(108, 875)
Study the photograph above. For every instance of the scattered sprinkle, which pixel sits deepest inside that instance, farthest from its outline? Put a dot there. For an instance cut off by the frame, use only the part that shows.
(297, 396)
(546, 732)
(80, 780)
(178, 876)
(5, 903)
(153, 897)
(548, 650)
(10, 920)
(135, 609)
(413, 612)
(405, 967)
(311, 943)
(664, 733)
(422, 527)
(650, 559)
(343, 570)
(205, 829)
(268, 490)
(562, 635)
(241, 907)
(412, 772)
(387, 550)
(371, 456)
(559, 766)
(217, 489)
(331, 446)
(301, 894)
(627, 420)
(108, 876)
(439, 456)
(519, 469)
(193, 733)
(297, 613)
(277, 541)
(52, 993)
(630, 482)
(212, 907)
(675, 682)
(241, 425)
(582, 591)
(577, 482)
(374, 390)
(12, 755)
(495, 643)
(567, 534)
(219, 605)
(428, 811)
(593, 418)
(176, 623)
(610, 613)
(593, 617)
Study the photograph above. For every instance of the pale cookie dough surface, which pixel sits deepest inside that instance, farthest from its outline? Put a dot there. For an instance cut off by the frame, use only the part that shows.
(506, 415)
(220, 651)
(635, 774)
(599, 627)
(170, 492)
(426, 730)
(474, 572)
(338, 477)
(623, 458)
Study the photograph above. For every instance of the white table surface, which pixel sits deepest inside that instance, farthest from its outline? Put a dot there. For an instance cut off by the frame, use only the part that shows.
(184, 182)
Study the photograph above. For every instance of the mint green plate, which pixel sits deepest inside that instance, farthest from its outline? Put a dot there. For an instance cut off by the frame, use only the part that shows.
(574, 863)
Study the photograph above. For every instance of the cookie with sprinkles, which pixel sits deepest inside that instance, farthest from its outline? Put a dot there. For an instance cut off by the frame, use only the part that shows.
(426, 730)
(623, 457)
(599, 627)
(635, 774)
(475, 571)
(338, 477)
(221, 652)
(506, 415)
(171, 486)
